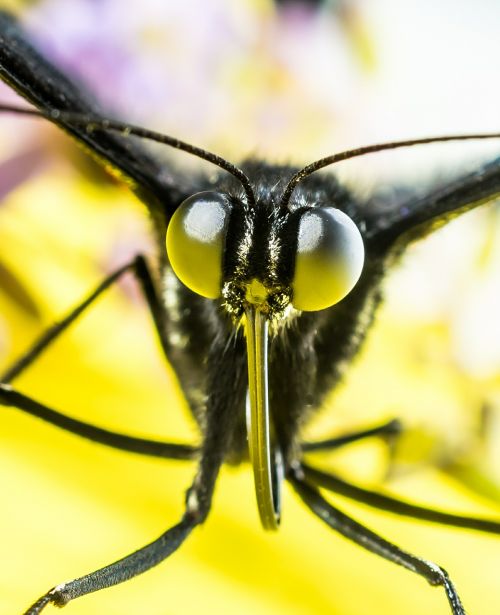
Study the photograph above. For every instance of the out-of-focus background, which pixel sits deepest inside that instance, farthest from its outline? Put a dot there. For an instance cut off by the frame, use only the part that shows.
(289, 84)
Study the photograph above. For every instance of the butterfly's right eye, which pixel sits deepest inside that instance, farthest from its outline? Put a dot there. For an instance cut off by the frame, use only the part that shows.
(195, 242)
(329, 260)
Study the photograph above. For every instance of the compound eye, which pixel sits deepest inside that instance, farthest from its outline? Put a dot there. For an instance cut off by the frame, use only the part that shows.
(195, 242)
(329, 260)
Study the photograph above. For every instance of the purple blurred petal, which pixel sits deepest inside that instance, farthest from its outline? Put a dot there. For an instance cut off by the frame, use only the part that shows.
(16, 170)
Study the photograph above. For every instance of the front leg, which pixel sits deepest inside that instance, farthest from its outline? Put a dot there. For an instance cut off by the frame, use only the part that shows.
(131, 444)
(198, 503)
(351, 529)
(138, 266)
(13, 398)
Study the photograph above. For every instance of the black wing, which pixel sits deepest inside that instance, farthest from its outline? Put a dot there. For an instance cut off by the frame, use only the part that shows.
(37, 80)
(414, 217)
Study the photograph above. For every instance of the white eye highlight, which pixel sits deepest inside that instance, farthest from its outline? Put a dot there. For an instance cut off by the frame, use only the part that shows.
(329, 260)
(195, 242)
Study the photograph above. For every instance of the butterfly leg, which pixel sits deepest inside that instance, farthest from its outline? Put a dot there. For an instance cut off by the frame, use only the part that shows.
(197, 508)
(122, 570)
(155, 448)
(140, 269)
(11, 397)
(389, 430)
(198, 503)
(381, 501)
(367, 539)
(218, 434)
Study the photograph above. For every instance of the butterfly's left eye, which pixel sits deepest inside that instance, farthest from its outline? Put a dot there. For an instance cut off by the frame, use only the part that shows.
(195, 242)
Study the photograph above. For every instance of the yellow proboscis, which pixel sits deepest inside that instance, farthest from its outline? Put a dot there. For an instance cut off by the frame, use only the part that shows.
(258, 419)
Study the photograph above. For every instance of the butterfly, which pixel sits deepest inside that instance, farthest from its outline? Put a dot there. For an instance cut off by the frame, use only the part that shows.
(266, 290)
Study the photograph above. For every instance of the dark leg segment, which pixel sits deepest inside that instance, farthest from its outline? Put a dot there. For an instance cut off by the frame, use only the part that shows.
(122, 570)
(394, 505)
(143, 446)
(367, 539)
(221, 421)
(10, 397)
(390, 429)
(140, 269)
(198, 502)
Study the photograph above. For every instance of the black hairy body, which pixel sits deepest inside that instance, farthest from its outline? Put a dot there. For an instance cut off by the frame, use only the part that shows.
(313, 346)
